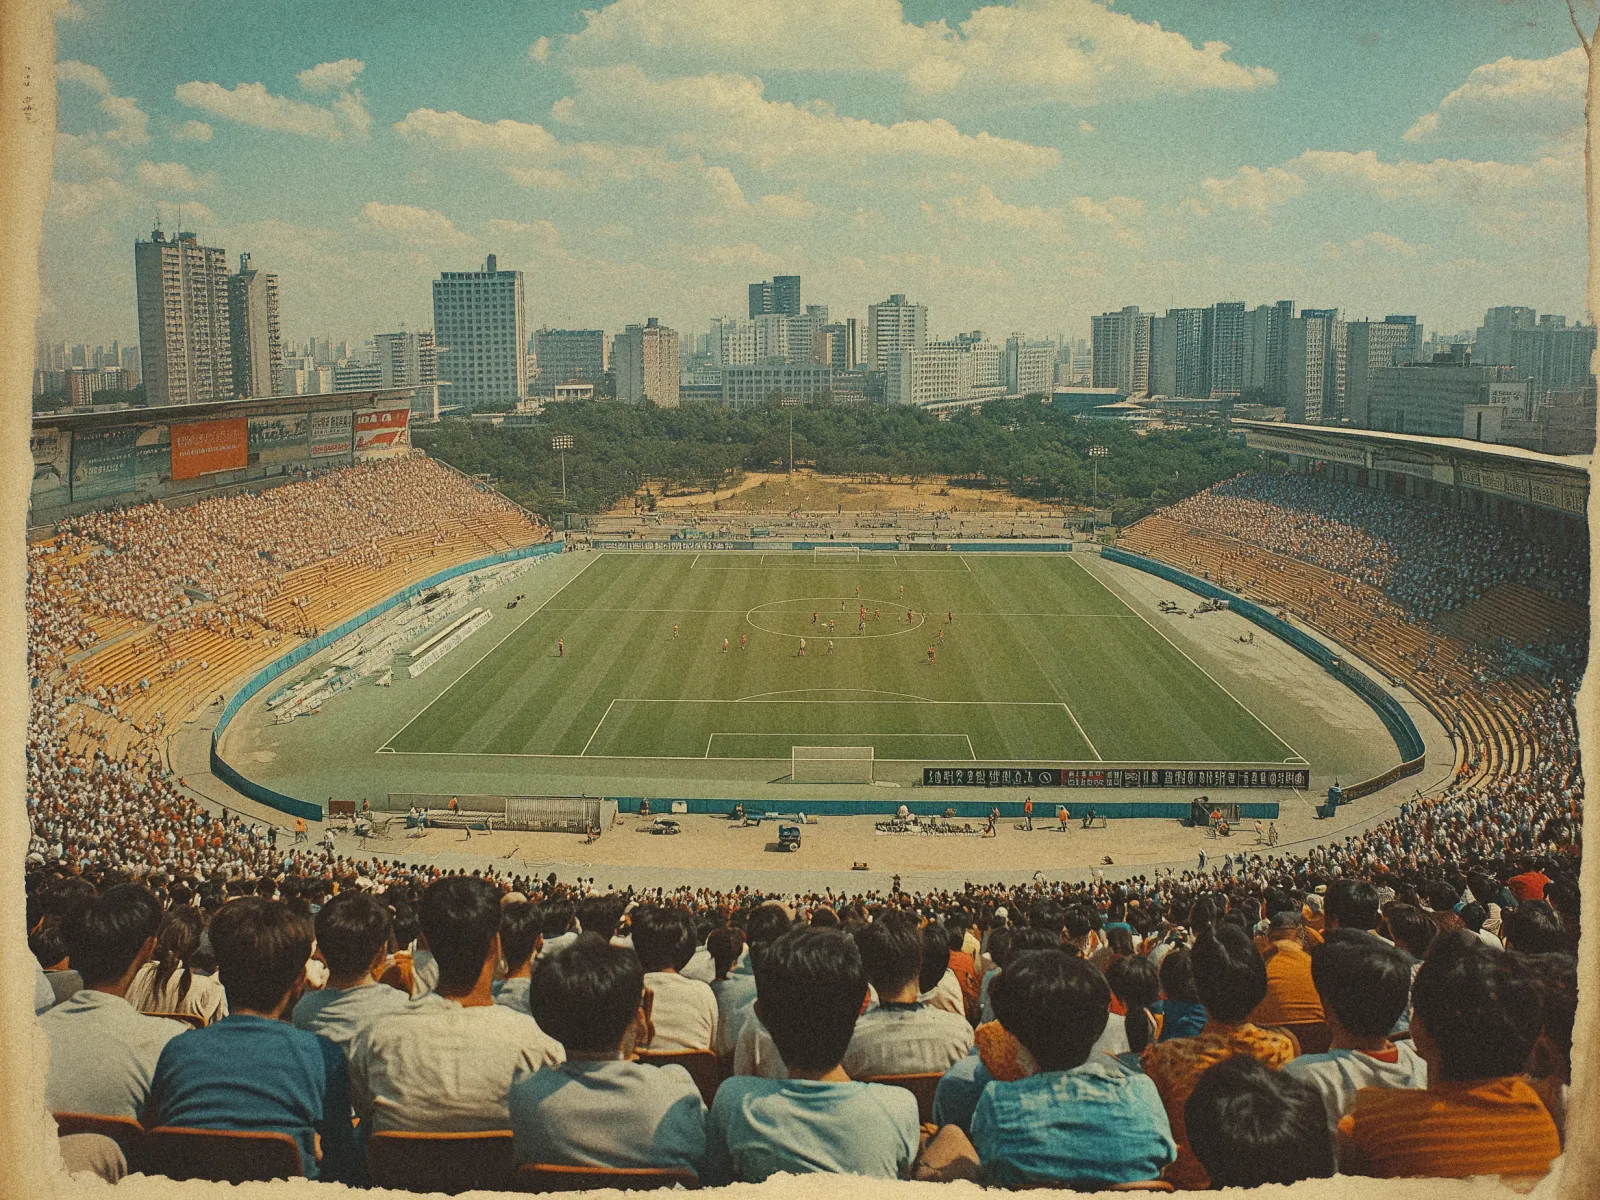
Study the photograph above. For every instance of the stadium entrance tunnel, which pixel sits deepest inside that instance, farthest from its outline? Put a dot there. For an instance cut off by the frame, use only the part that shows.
(793, 618)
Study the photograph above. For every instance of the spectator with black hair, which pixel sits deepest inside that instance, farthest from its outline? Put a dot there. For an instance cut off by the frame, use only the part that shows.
(1137, 985)
(559, 925)
(353, 938)
(1353, 904)
(1250, 1125)
(103, 1051)
(1534, 928)
(1231, 980)
(725, 944)
(1550, 1063)
(1181, 1012)
(1365, 987)
(684, 1012)
(598, 1108)
(520, 939)
(751, 1046)
(252, 1070)
(901, 1035)
(169, 983)
(446, 1062)
(810, 990)
(1072, 1119)
(1476, 1017)
(939, 986)
(1473, 915)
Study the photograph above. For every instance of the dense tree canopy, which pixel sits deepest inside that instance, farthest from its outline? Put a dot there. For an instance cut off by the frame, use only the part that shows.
(1023, 446)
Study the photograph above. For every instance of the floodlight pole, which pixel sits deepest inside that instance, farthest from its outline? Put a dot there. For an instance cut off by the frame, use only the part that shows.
(563, 443)
(789, 402)
(1096, 453)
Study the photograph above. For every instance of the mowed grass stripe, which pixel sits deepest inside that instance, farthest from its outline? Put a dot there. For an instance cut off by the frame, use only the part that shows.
(1135, 695)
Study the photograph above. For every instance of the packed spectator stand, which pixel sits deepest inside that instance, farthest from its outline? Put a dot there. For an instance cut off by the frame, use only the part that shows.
(1396, 1002)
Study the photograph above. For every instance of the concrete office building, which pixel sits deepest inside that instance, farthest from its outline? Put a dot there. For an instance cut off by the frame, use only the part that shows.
(184, 335)
(1495, 345)
(780, 294)
(645, 361)
(255, 342)
(732, 342)
(1121, 348)
(764, 383)
(1394, 341)
(1228, 351)
(841, 348)
(1315, 367)
(410, 360)
(1440, 399)
(1029, 367)
(1555, 355)
(1178, 361)
(892, 327)
(479, 324)
(568, 356)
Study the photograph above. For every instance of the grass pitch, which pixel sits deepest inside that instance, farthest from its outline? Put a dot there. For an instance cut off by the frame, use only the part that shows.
(1034, 661)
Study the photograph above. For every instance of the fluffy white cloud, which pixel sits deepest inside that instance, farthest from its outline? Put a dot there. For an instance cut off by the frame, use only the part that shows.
(1075, 51)
(251, 104)
(171, 177)
(331, 76)
(418, 226)
(131, 123)
(729, 116)
(516, 138)
(1050, 224)
(1250, 190)
(1375, 245)
(1461, 180)
(192, 131)
(1512, 97)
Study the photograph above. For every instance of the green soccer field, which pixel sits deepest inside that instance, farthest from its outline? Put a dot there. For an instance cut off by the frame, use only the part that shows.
(1033, 661)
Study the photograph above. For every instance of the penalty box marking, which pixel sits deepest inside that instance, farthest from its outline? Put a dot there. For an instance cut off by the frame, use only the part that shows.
(798, 739)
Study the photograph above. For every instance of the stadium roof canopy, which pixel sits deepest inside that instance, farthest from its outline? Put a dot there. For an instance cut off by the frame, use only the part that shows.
(1558, 482)
(106, 417)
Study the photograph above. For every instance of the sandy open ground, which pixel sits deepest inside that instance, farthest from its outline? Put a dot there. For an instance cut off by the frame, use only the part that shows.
(807, 491)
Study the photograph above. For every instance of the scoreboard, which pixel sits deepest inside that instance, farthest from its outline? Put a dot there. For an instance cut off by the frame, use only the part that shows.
(1298, 778)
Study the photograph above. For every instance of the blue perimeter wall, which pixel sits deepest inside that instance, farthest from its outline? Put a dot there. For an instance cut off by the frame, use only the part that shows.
(1413, 753)
(288, 804)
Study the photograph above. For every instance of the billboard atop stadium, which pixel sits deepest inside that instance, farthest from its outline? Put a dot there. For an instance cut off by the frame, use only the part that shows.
(207, 447)
(280, 438)
(52, 463)
(330, 433)
(381, 432)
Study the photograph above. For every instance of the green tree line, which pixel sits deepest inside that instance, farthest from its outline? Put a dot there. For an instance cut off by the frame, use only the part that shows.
(1024, 447)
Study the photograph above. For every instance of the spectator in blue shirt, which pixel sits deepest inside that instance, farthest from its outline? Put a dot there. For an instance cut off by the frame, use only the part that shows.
(1073, 1120)
(810, 987)
(252, 1070)
(598, 1108)
(1182, 1014)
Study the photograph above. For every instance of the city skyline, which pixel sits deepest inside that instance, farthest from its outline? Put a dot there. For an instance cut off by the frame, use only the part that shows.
(1107, 157)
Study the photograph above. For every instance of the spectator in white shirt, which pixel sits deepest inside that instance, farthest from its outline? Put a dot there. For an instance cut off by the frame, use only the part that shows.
(446, 1062)
(598, 1108)
(559, 926)
(353, 936)
(103, 1051)
(940, 987)
(684, 1011)
(520, 940)
(168, 983)
(901, 1036)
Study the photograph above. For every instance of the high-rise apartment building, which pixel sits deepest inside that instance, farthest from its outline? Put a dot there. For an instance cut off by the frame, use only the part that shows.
(805, 335)
(1496, 342)
(1228, 349)
(182, 292)
(254, 339)
(1369, 345)
(841, 349)
(410, 360)
(892, 327)
(1315, 367)
(1178, 361)
(1121, 347)
(1555, 355)
(479, 325)
(780, 294)
(645, 360)
(568, 356)
(1028, 367)
(772, 337)
(732, 342)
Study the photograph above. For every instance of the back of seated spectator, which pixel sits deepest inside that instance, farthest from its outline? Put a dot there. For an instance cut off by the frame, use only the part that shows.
(520, 939)
(1250, 1125)
(684, 1011)
(168, 983)
(901, 1035)
(810, 989)
(938, 986)
(445, 1062)
(1291, 996)
(252, 1069)
(597, 1108)
(1534, 928)
(1550, 1063)
(1353, 904)
(353, 937)
(1365, 986)
(1136, 984)
(103, 1051)
(1182, 1014)
(1475, 1020)
(1231, 980)
(725, 944)
(1072, 1119)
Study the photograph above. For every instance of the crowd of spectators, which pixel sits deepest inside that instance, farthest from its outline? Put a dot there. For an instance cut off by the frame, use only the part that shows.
(1426, 558)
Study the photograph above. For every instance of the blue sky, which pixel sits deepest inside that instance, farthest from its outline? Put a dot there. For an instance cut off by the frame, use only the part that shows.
(1015, 166)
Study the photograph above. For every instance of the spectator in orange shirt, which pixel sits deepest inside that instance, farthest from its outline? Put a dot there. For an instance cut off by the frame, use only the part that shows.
(1291, 996)
(1231, 980)
(1476, 1017)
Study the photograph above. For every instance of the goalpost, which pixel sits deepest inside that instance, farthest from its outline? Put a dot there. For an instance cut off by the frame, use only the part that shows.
(841, 553)
(831, 764)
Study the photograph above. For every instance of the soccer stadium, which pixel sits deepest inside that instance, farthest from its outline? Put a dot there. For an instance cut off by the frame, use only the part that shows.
(1272, 793)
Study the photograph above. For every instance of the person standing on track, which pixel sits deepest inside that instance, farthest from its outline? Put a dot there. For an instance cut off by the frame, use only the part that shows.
(1027, 811)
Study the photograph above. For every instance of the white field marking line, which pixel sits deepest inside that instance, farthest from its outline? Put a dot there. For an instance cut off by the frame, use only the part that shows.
(1072, 716)
(759, 696)
(451, 686)
(596, 731)
(913, 700)
(1295, 755)
(730, 758)
(764, 607)
(1110, 765)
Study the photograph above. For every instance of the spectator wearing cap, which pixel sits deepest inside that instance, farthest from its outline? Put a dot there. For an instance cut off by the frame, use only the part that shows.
(1072, 1118)
(598, 1108)
(684, 1011)
(1231, 980)
(520, 940)
(1364, 987)
(253, 1070)
(901, 1035)
(103, 1051)
(353, 936)
(446, 1062)
(1291, 995)
(1250, 1125)
(1476, 1019)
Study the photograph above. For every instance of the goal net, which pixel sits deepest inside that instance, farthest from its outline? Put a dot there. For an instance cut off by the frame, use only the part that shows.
(844, 553)
(831, 764)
